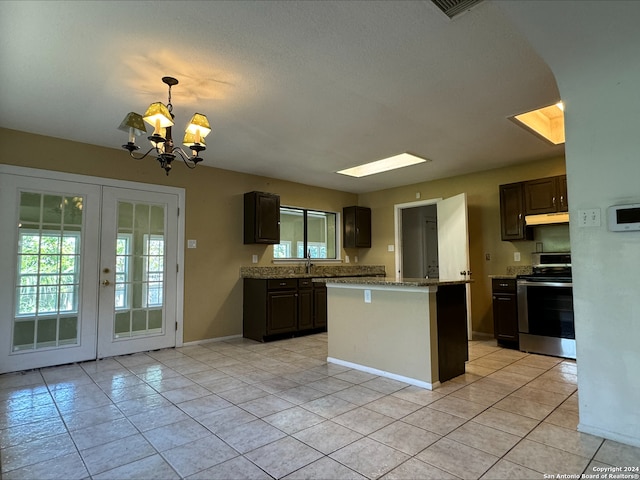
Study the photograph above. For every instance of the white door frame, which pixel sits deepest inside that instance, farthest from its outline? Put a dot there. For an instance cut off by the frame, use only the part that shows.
(397, 220)
(109, 182)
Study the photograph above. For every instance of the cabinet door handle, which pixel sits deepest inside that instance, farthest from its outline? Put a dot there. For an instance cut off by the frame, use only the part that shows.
(554, 201)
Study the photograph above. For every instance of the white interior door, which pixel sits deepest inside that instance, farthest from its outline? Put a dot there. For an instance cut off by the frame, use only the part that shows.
(48, 271)
(453, 244)
(138, 271)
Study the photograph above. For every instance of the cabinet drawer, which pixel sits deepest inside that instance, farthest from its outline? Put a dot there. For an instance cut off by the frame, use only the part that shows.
(305, 283)
(280, 283)
(506, 285)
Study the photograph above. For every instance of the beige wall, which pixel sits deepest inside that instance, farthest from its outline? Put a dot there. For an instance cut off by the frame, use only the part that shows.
(214, 204)
(214, 217)
(483, 201)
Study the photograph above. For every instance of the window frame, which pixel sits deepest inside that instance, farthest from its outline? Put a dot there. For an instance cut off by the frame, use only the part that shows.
(291, 247)
(38, 312)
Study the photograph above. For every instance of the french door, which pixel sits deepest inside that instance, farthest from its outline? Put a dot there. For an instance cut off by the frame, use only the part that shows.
(137, 272)
(87, 271)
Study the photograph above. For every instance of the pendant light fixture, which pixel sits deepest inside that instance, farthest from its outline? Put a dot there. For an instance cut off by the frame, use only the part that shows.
(160, 117)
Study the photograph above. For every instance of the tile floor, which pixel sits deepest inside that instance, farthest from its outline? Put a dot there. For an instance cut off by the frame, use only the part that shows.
(239, 409)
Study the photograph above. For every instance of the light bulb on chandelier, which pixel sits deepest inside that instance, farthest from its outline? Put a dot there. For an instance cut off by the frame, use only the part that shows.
(160, 117)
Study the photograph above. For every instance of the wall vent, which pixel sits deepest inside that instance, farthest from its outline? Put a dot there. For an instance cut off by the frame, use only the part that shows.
(454, 7)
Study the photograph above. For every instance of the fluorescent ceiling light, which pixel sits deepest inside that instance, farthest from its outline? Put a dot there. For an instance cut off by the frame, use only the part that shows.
(547, 122)
(384, 165)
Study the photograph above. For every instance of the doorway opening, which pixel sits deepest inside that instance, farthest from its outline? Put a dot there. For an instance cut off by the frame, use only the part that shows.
(432, 240)
(420, 241)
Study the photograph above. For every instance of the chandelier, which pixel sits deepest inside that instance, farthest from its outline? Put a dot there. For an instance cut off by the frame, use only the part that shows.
(160, 117)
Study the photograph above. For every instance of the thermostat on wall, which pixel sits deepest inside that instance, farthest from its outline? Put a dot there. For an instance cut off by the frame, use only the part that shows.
(624, 218)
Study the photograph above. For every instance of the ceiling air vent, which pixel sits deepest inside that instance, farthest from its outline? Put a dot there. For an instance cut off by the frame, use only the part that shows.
(454, 7)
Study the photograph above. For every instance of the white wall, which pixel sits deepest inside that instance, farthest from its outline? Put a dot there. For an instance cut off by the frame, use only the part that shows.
(593, 49)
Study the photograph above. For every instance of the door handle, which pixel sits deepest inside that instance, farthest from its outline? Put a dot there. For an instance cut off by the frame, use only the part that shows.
(106, 283)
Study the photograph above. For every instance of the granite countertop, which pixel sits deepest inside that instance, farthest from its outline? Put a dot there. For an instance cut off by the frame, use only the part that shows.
(394, 281)
(317, 271)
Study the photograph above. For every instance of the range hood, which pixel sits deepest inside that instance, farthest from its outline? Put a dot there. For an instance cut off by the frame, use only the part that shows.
(546, 219)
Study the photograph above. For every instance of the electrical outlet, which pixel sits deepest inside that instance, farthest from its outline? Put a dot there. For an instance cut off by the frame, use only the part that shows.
(191, 243)
(487, 256)
(367, 296)
(516, 256)
(254, 258)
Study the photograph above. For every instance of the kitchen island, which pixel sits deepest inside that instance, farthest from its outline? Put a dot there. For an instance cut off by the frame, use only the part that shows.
(409, 329)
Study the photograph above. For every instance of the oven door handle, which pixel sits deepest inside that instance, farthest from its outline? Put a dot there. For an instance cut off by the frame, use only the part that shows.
(529, 283)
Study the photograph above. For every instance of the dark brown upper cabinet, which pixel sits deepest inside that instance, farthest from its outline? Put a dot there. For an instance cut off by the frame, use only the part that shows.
(261, 218)
(356, 227)
(546, 195)
(512, 226)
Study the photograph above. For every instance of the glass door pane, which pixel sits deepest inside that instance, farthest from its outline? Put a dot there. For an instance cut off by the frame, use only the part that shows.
(48, 271)
(139, 274)
(138, 294)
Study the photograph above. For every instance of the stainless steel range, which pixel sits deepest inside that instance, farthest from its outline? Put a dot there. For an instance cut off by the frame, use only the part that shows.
(545, 306)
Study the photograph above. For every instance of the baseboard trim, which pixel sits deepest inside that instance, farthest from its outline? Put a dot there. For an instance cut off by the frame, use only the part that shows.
(382, 373)
(616, 437)
(211, 340)
(481, 336)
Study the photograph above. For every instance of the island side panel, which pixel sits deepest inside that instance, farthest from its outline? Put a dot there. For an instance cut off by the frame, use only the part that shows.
(453, 349)
(395, 333)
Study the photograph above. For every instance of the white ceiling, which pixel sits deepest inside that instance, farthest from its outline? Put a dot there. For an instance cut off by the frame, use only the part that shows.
(293, 89)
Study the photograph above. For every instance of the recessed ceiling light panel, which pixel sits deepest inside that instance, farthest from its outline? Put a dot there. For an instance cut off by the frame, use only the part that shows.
(546, 122)
(384, 165)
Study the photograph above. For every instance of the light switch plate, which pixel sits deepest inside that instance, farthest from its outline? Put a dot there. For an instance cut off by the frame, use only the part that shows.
(367, 296)
(254, 258)
(192, 243)
(589, 217)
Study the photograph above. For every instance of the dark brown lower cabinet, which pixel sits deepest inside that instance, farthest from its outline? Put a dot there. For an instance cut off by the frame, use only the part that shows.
(282, 312)
(277, 308)
(505, 312)
(320, 305)
(305, 304)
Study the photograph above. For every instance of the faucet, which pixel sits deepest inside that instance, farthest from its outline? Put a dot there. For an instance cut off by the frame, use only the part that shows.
(307, 262)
